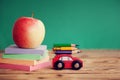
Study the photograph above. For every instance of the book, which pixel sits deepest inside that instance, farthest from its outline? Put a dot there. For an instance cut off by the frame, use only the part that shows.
(13, 49)
(23, 62)
(26, 56)
(65, 45)
(24, 67)
(64, 48)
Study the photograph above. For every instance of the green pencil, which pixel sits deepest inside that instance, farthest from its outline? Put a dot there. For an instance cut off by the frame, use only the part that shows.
(65, 45)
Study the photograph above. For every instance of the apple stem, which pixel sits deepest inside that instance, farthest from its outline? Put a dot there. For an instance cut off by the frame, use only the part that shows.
(32, 14)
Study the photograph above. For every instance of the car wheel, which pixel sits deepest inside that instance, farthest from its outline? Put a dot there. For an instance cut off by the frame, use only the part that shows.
(76, 65)
(59, 65)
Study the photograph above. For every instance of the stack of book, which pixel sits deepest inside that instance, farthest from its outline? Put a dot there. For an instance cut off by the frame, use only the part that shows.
(65, 48)
(24, 59)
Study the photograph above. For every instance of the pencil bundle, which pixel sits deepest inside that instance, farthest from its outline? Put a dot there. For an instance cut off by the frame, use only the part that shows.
(24, 59)
(65, 48)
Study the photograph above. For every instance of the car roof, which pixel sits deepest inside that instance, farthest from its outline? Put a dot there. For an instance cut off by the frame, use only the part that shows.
(61, 55)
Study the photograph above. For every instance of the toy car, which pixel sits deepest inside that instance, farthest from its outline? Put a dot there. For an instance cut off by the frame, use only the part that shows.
(66, 61)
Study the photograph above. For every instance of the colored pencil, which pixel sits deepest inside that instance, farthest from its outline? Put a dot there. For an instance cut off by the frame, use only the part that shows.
(67, 51)
(65, 48)
(65, 45)
(63, 52)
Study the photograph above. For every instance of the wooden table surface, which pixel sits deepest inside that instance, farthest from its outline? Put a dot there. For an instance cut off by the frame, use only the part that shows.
(98, 65)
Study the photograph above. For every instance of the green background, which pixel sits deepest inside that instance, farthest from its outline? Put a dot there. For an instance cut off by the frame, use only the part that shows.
(94, 24)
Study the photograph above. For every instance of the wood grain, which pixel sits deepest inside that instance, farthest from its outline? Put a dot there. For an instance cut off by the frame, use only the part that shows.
(98, 65)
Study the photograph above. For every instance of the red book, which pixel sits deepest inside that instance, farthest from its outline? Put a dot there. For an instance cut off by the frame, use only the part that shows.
(25, 68)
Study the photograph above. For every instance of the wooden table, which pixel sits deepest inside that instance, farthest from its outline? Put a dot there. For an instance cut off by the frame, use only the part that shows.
(98, 65)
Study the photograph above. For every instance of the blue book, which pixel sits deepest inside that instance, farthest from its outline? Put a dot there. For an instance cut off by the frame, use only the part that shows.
(13, 49)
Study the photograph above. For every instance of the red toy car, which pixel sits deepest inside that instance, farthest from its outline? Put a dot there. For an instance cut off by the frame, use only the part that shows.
(66, 61)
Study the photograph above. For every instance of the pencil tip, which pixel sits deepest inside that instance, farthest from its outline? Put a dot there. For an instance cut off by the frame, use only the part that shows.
(77, 45)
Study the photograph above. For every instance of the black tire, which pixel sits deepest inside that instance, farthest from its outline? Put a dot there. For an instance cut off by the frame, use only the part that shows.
(56, 65)
(78, 63)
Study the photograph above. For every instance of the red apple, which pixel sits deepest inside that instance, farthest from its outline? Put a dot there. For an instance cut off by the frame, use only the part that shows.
(28, 32)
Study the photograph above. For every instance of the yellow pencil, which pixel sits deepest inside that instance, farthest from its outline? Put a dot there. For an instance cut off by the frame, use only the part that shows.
(65, 48)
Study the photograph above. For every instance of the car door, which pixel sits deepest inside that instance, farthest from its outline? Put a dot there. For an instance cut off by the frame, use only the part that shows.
(67, 61)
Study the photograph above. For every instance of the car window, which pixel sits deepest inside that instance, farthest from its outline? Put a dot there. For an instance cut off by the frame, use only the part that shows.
(70, 58)
(65, 58)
